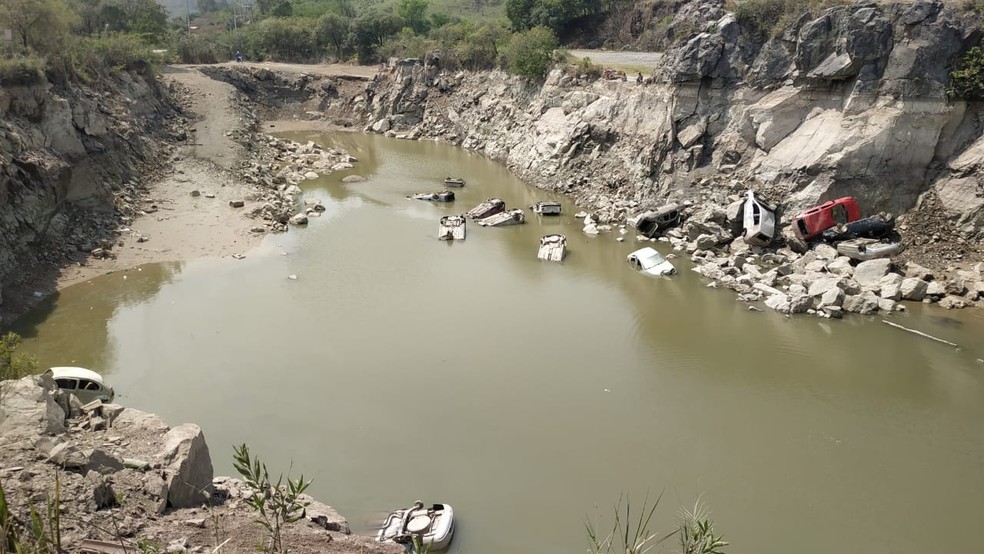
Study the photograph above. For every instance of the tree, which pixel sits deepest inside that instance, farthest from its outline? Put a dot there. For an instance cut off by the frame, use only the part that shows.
(530, 53)
(370, 31)
(283, 9)
(413, 13)
(967, 78)
(38, 24)
(555, 14)
(14, 366)
(146, 17)
(332, 30)
(438, 20)
(480, 49)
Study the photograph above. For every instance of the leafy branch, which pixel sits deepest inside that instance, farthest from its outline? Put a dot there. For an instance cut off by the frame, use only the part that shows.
(277, 504)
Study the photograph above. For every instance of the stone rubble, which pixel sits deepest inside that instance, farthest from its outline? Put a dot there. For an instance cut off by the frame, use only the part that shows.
(284, 165)
(134, 477)
(817, 281)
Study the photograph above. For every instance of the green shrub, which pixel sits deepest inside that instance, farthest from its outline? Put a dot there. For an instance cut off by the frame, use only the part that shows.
(12, 365)
(967, 78)
(530, 53)
(22, 71)
(94, 57)
(405, 45)
(286, 39)
(196, 49)
(586, 67)
(277, 504)
(696, 532)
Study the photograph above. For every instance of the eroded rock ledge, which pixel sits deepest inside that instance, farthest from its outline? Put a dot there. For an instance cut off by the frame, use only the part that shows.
(126, 475)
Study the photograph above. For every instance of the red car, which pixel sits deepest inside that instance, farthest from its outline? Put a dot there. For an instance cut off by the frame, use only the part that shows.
(808, 224)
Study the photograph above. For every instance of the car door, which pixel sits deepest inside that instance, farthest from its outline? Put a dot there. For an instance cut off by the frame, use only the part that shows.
(88, 391)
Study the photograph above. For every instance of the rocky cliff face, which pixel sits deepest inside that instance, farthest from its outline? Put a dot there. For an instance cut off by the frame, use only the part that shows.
(848, 101)
(70, 165)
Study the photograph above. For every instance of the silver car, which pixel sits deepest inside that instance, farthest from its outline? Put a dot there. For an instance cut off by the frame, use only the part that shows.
(86, 384)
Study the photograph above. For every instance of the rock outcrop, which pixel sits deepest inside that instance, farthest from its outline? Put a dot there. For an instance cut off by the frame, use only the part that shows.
(71, 161)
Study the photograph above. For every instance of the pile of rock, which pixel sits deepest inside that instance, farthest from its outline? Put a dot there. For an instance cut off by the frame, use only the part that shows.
(125, 475)
(818, 281)
(284, 165)
(299, 162)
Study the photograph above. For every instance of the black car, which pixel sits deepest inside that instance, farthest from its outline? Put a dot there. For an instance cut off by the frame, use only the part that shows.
(877, 227)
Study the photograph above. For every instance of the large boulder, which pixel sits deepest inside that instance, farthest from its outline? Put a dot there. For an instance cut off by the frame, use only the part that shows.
(865, 303)
(914, 270)
(870, 273)
(779, 303)
(822, 286)
(67, 456)
(187, 466)
(913, 289)
(891, 286)
(841, 266)
(832, 297)
(28, 407)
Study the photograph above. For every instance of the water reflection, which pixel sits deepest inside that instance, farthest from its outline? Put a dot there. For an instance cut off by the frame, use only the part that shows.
(75, 320)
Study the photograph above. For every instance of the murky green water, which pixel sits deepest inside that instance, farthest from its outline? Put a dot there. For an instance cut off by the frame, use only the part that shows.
(531, 395)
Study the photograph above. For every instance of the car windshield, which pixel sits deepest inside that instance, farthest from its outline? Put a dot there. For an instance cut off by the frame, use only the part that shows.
(652, 260)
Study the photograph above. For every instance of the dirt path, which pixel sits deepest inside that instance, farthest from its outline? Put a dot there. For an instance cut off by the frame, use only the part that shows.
(619, 59)
(177, 225)
(328, 70)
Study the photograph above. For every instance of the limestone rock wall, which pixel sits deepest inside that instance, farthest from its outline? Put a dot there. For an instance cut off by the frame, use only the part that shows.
(848, 101)
(70, 161)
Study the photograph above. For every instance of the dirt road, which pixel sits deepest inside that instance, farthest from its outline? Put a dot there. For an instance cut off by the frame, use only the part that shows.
(328, 70)
(177, 225)
(620, 59)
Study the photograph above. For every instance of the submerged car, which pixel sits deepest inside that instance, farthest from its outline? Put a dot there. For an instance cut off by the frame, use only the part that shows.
(455, 182)
(86, 384)
(647, 260)
(514, 216)
(452, 228)
(487, 208)
(809, 224)
(546, 208)
(759, 222)
(429, 529)
(656, 221)
(553, 248)
(443, 196)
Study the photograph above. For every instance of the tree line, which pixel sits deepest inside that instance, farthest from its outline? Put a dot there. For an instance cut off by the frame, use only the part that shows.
(83, 39)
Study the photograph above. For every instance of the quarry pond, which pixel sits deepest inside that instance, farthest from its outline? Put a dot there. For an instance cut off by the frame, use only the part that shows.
(532, 395)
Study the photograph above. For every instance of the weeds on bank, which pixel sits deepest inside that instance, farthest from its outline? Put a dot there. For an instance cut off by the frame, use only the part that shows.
(38, 533)
(628, 534)
(277, 504)
(697, 531)
(631, 533)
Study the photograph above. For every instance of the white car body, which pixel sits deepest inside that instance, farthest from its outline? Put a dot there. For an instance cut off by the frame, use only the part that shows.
(648, 260)
(759, 222)
(86, 384)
